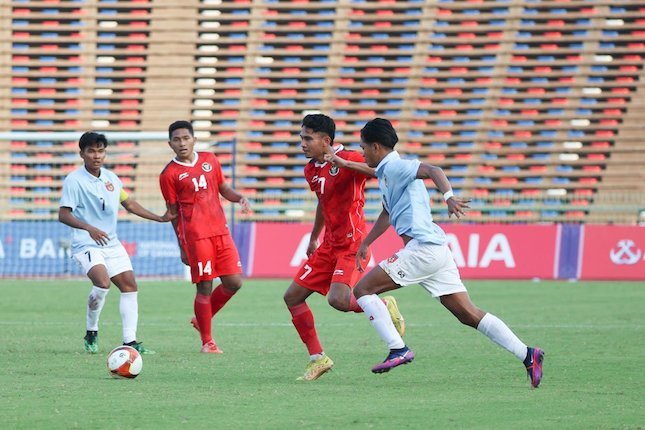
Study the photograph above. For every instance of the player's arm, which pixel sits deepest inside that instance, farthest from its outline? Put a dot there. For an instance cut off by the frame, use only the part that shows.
(380, 226)
(233, 196)
(66, 217)
(319, 222)
(173, 209)
(356, 166)
(134, 207)
(456, 205)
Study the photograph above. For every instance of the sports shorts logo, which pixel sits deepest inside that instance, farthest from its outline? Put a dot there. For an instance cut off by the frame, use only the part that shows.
(206, 167)
(339, 272)
(109, 186)
(183, 176)
(392, 259)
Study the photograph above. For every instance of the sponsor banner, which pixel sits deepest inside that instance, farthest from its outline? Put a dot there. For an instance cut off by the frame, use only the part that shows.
(41, 248)
(480, 250)
(613, 252)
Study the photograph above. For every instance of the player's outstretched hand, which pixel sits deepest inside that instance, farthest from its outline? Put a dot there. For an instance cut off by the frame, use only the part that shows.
(168, 216)
(331, 157)
(246, 205)
(361, 256)
(457, 206)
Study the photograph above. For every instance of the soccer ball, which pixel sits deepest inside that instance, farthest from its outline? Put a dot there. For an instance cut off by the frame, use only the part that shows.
(124, 362)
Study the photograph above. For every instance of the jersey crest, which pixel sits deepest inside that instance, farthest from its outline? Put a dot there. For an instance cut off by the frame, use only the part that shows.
(109, 186)
(207, 167)
(334, 171)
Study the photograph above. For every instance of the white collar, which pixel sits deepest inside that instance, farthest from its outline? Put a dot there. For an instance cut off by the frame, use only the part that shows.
(188, 164)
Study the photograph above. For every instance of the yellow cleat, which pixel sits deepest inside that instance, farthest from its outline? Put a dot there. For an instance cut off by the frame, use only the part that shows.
(316, 368)
(395, 314)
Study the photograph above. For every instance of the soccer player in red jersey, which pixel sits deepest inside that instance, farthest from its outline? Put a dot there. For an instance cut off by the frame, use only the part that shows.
(191, 185)
(331, 268)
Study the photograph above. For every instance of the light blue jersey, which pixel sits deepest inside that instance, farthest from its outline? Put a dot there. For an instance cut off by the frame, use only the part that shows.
(406, 199)
(95, 201)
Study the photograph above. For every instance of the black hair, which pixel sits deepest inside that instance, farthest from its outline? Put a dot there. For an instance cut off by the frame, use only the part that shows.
(91, 138)
(379, 130)
(319, 122)
(180, 124)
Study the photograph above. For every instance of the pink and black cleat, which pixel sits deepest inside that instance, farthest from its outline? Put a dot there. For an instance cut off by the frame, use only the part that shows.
(396, 357)
(533, 363)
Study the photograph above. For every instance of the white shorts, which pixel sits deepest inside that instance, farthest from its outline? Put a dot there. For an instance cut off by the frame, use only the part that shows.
(426, 264)
(115, 259)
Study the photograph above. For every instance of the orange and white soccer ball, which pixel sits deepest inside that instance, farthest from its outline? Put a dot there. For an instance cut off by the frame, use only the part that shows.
(124, 362)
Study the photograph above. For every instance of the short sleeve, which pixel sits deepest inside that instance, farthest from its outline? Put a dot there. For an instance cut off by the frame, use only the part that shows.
(405, 171)
(69, 198)
(167, 188)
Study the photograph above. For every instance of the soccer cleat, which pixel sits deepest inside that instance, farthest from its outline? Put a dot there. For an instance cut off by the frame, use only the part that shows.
(396, 357)
(91, 341)
(395, 314)
(533, 363)
(194, 322)
(316, 368)
(139, 347)
(211, 348)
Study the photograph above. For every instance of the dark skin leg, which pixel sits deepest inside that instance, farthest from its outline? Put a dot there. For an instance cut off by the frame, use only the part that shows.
(231, 282)
(459, 304)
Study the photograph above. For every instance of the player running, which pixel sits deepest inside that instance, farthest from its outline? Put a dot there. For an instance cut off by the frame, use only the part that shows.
(330, 269)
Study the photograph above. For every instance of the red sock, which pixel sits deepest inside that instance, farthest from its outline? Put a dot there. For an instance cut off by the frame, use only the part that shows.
(353, 305)
(204, 316)
(303, 320)
(219, 297)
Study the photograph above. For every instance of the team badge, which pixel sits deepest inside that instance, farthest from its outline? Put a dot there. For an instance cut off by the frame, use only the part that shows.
(206, 167)
(393, 258)
(109, 186)
(334, 170)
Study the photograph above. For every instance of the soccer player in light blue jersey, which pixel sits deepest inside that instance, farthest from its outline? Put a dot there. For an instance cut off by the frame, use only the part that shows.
(425, 259)
(90, 205)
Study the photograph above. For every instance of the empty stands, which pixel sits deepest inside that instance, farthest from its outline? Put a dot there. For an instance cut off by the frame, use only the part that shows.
(533, 108)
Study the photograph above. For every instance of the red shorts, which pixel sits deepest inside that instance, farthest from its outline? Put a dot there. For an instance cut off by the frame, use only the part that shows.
(212, 257)
(327, 266)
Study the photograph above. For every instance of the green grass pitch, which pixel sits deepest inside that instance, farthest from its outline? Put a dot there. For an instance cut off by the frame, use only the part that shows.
(592, 332)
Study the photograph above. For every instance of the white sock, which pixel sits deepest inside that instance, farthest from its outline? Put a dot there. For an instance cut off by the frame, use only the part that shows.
(380, 318)
(315, 357)
(129, 308)
(499, 333)
(95, 302)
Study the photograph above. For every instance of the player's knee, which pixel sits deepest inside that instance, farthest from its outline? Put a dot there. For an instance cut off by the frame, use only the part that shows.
(105, 284)
(233, 287)
(289, 300)
(339, 303)
(129, 288)
(359, 291)
(232, 283)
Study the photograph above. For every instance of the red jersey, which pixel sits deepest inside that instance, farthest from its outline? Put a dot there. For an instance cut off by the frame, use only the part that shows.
(341, 192)
(194, 188)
